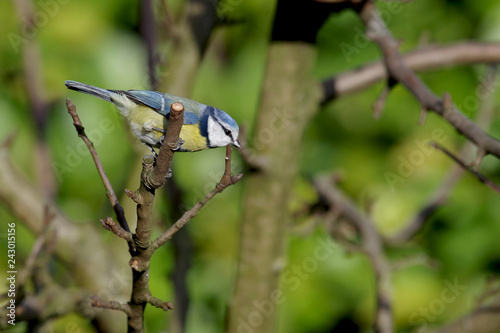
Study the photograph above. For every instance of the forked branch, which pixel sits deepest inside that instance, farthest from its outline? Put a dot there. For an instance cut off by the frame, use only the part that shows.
(377, 31)
(227, 180)
(110, 193)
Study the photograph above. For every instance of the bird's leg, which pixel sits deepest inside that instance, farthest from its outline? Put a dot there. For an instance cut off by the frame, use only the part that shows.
(159, 130)
(152, 150)
(169, 173)
(162, 139)
(179, 145)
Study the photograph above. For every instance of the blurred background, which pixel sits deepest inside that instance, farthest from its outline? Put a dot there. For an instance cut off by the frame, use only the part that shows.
(103, 43)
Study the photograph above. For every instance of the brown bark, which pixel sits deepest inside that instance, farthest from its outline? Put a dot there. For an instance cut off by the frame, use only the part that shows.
(289, 100)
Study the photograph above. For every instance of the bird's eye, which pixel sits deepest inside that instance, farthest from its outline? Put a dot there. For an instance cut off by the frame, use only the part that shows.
(227, 132)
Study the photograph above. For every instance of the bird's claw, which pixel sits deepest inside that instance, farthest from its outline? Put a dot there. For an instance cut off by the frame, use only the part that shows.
(161, 142)
(152, 150)
(179, 145)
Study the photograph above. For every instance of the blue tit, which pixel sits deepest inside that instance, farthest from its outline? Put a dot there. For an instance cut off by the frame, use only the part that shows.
(147, 112)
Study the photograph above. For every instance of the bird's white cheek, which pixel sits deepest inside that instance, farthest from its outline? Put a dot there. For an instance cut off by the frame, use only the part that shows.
(216, 134)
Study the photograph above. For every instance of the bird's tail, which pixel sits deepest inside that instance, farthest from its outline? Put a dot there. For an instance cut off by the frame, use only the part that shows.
(91, 90)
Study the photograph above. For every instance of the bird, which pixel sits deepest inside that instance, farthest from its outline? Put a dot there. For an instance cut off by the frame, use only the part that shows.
(147, 113)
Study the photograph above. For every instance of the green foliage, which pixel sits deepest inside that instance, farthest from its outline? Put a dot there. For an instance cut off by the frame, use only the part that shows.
(97, 42)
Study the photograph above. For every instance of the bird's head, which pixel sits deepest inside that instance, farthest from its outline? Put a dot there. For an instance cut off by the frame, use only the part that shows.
(221, 129)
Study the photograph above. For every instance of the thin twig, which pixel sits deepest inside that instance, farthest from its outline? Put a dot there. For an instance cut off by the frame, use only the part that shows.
(415, 224)
(418, 259)
(379, 104)
(372, 245)
(158, 303)
(424, 59)
(423, 117)
(226, 180)
(252, 159)
(47, 234)
(110, 225)
(27, 204)
(483, 318)
(483, 179)
(377, 31)
(441, 194)
(147, 28)
(110, 193)
(97, 302)
(35, 92)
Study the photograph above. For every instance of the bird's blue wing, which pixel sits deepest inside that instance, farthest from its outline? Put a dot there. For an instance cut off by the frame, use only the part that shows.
(190, 118)
(160, 103)
(152, 99)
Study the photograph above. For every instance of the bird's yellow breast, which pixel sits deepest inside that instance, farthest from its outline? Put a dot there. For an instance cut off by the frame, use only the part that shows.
(193, 140)
(145, 122)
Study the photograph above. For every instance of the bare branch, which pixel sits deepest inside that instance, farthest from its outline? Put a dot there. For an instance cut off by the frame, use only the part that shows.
(441, 194)
(483, 179)
(158, 303)
(147, 28)
(379, 104)
(227, 180)
(415, 224)
(153, 176)
(97, 302)
(36, 95)
(160, 171)
(28, 204)
(423, 117)
(371, 245)
(253, 159)
(418, 259)
(47, 235)
(110, 193)
(425, 59)
(110, 225)
(397, 69)
(484, 316)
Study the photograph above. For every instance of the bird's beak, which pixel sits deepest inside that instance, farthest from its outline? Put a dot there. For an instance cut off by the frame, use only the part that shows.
(236, 143)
